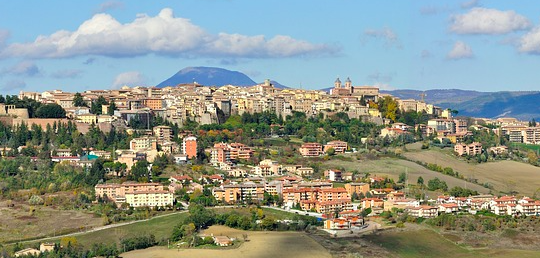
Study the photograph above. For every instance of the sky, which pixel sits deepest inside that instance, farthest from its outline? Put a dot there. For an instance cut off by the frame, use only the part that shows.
(411, 44)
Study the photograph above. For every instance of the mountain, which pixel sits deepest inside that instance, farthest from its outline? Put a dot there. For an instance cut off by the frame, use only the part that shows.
(208, 76)
(519, 104)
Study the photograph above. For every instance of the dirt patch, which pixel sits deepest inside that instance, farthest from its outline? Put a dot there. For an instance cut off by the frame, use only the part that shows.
(26, 218)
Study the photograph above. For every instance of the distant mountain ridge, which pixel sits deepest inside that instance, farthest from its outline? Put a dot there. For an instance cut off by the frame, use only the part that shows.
(211, 76)
(523, 105)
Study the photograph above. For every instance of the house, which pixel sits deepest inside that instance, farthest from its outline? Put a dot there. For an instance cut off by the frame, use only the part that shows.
(27, 252)
(222, 240)
(337, 224)
(448, 208)
(46, 247)
(333, 175)
(423, 211)
(357, 188)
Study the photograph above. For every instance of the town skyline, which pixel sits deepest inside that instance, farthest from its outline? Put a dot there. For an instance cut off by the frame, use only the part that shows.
(476, 45)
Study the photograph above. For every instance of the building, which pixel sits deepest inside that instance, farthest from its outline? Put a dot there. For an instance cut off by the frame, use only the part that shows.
(423, 211)
(189, 146)
(152, 198)
(333, 175)
(163, 133)
(338, 146)
(220, 153)
(357, 188)
(312, 149)
(472, 149)
(143, 144)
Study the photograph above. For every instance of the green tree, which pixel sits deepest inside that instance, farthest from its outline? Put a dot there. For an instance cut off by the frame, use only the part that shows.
(52, 110)
(420, 181)
(96, 107)
(78, 100)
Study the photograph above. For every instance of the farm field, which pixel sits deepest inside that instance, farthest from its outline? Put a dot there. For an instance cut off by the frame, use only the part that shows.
(392, 167)
(18, 223)
(427, 243)
(261, 244)
(505, 176)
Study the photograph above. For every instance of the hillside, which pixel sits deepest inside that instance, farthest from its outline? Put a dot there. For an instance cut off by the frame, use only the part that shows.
(521, 105)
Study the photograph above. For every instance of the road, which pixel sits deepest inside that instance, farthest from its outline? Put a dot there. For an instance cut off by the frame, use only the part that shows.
(308, 213)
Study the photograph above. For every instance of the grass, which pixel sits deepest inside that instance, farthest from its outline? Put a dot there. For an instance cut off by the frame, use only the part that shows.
(427, 243)
(505, 176)
(533, 147)
(161, 227)
(392, 167)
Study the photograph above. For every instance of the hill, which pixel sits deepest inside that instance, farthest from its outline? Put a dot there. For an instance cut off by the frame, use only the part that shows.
(519, 104)
(208, 76)
(212, 76)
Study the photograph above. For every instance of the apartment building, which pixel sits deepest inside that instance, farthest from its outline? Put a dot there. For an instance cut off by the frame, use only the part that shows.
(163, 133)
(357, 188)
(135, 194)
(143, 143)
(423, 211)
(189, 146)
(338, 146)
(472, 149)
(312, 149)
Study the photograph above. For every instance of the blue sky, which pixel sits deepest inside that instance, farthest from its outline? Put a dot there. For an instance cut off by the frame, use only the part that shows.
(416, 44)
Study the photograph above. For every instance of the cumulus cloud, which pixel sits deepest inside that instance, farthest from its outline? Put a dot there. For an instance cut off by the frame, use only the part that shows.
(460, 51)
(488, 21)
(386, 34)
(109, 5)
(469, 4)
(24, 68)
(132, 78)
(530, 42)
(163, 34)
(13, 85)
(68, 73)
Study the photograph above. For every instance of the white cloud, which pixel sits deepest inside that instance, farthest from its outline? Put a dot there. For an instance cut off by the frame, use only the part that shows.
(131, 79)
(488, 21)
(109, 5)
(13, 85)
(469, 4)
(69, 73)
(163, 34)
(460, 51)
(389, 37)
(24, 68)
(530, 42)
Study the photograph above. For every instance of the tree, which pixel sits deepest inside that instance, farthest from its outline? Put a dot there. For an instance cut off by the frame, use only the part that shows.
(331, 152)
(420, 181)
(78, 100)
(112, 108)
(52, 110)
(402, 177)
(96, 107)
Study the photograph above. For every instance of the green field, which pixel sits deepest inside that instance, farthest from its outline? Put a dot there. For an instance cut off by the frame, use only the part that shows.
(523, 146)
(161, 227)
(427, 243)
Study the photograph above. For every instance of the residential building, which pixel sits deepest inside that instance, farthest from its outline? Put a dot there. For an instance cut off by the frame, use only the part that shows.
(338, 146)
(312, 149)
(189, 146)
(472, 149)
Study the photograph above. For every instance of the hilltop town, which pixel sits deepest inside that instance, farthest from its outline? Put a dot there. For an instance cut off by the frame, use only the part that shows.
(162, 149)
